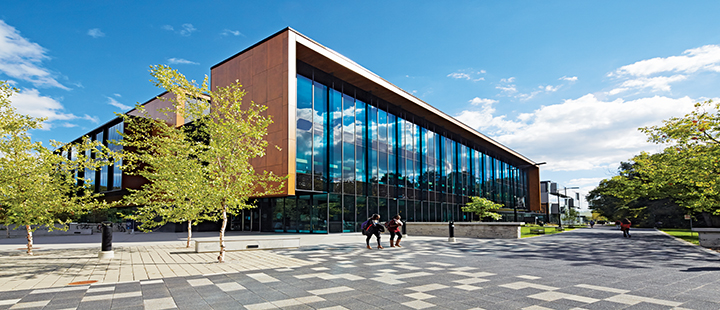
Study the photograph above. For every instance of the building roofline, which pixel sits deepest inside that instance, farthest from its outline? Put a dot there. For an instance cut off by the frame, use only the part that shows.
(403, 93)
(114, 119)
(252, 46)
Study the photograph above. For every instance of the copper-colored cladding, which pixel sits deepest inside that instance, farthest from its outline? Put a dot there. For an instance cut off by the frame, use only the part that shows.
(263, 72)
(534, 189)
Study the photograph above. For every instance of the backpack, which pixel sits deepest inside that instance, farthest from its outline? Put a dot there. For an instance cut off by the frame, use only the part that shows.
(364, 227)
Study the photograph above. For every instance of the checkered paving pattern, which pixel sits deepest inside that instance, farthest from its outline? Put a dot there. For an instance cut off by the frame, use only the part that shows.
(480, 274)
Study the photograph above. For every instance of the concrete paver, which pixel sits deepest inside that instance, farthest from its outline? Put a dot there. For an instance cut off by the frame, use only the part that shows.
(581, 269)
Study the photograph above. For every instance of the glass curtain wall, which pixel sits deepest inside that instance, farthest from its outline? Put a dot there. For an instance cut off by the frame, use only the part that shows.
(357, 156)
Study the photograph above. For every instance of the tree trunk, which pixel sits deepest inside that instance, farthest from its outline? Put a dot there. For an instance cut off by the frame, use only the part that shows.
(29, 239)
(189, 233)
(221, 257)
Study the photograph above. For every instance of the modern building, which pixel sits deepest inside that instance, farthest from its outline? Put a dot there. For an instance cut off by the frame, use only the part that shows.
(353, 144)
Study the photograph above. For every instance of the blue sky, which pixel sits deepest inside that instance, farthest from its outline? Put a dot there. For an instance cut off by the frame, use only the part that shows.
(562, 82)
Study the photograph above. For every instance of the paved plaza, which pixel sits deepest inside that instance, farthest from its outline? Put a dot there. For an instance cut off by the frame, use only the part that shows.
(580, 269)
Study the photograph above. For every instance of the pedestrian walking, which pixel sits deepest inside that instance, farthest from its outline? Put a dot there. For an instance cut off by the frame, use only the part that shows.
(592, 223)
(393, 226)
(625, 227)
(617, 225)
(372, 228)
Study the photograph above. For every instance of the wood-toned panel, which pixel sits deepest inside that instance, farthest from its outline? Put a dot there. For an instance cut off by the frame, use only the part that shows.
(534, 189)
(262, 70)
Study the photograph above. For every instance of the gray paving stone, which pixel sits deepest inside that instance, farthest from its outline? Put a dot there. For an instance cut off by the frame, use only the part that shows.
(97, 304)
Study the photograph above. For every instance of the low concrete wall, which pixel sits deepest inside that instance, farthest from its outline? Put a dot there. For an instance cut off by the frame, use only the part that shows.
(708, 237)
(483, 230)
(243, 245)
(73, 229)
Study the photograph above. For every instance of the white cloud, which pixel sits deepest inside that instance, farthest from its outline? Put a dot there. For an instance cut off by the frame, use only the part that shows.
(468, 74)
(68, 125)
(570, 79)
(30, 102)
(95, 33)
(22, 59)
(585, 181)
(117, 95)
(658, 83)
(483, 101)
(181, 61)
(484, 120)
(227, 32)
(579, 134)
(458, 75)
(657, 74)
(117, 104)
(187, 30)
(507, 89)
(704, 58)
(508, 80)
(551, 88)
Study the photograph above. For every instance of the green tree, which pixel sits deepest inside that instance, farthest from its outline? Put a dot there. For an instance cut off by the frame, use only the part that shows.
(167, 157)
(39, 187)
(482, 207)
(689, 169)
(234, 134)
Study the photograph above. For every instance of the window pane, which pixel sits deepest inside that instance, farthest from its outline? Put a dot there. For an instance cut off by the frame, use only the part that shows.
(304, 141)
(319, 137)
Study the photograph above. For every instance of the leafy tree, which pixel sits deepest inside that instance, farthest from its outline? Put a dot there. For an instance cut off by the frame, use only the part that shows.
(39, 187)
(482, 207)
(689, 169)
(166, 156)
(235, 133)
(571, 215)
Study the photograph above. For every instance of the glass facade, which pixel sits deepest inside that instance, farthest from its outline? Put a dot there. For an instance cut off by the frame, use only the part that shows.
(357, 155)
(107, 178)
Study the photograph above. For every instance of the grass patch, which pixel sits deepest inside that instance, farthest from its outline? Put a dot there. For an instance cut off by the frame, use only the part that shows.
(527, 231)
(683, 233)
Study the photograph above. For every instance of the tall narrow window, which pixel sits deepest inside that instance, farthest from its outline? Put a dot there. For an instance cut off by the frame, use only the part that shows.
(320, 146)
(336, 144)
(114, 134)
(348, 162)
(104, 169)
(304, 140)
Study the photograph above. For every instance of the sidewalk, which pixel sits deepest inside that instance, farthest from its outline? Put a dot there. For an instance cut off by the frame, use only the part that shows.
(62, 260)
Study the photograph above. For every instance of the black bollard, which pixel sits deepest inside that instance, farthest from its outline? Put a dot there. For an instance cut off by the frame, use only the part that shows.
(404, 229)
(106, 251)
(451, 228)
(106, 236)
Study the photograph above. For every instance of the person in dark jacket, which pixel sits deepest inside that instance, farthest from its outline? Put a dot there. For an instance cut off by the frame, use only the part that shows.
(373, 228)
(393, 226)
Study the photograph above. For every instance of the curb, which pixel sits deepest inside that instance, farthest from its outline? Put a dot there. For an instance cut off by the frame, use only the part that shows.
(690, 243)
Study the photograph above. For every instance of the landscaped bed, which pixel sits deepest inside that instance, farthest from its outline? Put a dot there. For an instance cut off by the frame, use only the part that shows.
(682, 233)
(536, 230)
